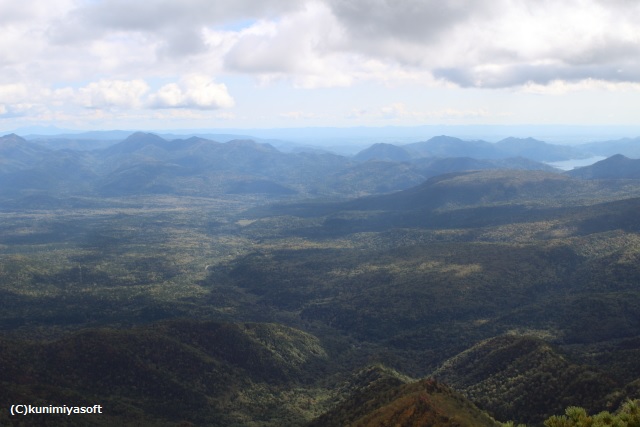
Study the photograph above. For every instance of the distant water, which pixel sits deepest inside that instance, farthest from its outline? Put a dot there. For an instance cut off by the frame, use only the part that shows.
(567, 165)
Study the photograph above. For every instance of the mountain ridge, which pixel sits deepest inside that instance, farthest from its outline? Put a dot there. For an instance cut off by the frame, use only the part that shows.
(145, 163)
(617, 166)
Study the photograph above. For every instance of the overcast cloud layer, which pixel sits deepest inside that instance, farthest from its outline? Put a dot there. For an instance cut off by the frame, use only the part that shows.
(104, 62)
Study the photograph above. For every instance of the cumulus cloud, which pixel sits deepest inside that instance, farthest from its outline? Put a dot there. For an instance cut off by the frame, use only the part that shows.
(106, 94)
(19, 99)
(408, 31)
(415, 20)
(153, 14)
(14, 92)
(27, 11)
(497, 76)
(300, 45)
(21, 25)
(562, 87)
(174, 28)
(497, 44)
(193, 91)
(542, 42)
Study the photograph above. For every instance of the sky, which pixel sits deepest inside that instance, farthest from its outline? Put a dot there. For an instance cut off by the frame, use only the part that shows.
(169, 64)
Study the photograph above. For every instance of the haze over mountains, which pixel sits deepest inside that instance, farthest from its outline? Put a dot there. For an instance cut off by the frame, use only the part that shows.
(144, 163)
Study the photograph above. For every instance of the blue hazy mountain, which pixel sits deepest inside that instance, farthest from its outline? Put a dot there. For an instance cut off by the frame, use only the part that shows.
(536, 150)
(614, 167)
(147, 163)
(629, 147)
(447, 146)
(383, 151)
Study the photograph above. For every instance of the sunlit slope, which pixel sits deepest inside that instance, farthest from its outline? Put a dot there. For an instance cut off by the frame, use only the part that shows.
(525, 377)
(379, 397)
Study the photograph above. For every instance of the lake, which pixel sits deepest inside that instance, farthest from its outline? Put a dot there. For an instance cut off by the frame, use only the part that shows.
(567, 165)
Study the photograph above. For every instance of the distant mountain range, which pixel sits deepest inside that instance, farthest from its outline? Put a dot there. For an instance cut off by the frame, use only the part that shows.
(530, 148)
(145, 163)
(346, 140)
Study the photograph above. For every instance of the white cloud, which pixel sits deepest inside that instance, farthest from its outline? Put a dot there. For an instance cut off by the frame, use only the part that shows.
(410, 32)
(542, 42)
(14, 13)
(175, 28)
(296, 43)
(505, 43)
(193, 91)
(105, 94)
(561, 87)
(309, 49)
(14, 93)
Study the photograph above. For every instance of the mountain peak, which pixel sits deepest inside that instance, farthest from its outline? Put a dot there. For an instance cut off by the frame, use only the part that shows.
(12, 137)
(616, 158)
(535, 149)
(137, 141)
(249, 143)
(143, 136)
(444, 138)
(450, 146)
(617, 166)
(383, 151)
